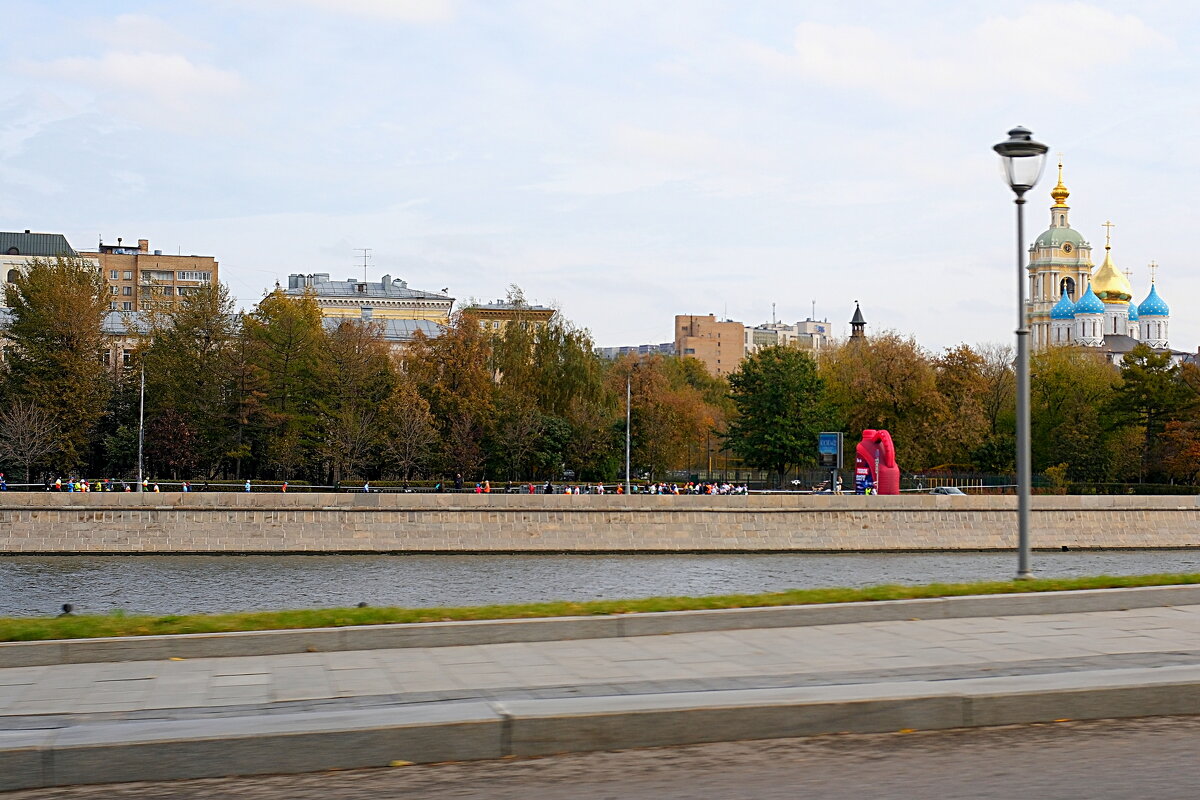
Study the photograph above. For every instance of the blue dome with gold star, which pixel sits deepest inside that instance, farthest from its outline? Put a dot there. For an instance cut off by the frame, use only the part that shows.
(1133, 313)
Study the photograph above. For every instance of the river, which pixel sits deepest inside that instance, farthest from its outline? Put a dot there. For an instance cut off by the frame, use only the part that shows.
(37, 585)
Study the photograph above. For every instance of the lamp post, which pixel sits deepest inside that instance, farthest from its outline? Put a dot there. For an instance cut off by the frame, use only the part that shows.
(1023, 159)
(141, 424)
(628, 397)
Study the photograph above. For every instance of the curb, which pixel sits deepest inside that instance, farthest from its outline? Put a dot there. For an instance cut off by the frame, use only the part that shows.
(111, 752)
(454, 634)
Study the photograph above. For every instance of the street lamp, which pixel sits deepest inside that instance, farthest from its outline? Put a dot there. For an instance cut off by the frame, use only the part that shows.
(628, 406)
(1023, 159)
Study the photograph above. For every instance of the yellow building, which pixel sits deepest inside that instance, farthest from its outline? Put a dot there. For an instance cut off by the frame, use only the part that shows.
(390, 299)
(498, 315)
(140, 279)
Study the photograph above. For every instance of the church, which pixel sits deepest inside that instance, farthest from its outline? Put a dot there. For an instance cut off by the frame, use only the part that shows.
(1071, 304)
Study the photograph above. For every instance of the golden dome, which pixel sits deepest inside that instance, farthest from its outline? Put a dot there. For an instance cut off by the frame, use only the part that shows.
(1108, 283)
(1060, 193)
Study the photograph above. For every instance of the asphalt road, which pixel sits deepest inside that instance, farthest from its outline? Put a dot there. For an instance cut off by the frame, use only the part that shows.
(1151, 758)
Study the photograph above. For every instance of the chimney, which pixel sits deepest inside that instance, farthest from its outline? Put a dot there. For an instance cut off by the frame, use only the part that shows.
(143, 245)
(386, 282)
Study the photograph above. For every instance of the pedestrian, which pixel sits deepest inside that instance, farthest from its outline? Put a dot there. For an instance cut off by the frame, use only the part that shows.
(58, 484)
(284, 487)
(156, 487)
(247, 484)
(487, 486)
(3, 483)
(145, 484)
(367, 487)
(187, 487)
(458, 482)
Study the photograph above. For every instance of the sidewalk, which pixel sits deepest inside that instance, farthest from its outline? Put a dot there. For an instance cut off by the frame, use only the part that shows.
(71, 723)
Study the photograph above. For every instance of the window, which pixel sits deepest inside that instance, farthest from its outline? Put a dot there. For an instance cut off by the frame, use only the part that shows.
(127, 306)
(158, 275)
(126, 357)
(112, 306)
(127, 275)
(203, 277)
(126, 290)
(113, 274)
(13, 275)
(112, 290)
(145, 291)
(366, 312)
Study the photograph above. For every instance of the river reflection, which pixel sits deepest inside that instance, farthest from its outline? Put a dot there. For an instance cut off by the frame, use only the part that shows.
(35, 585)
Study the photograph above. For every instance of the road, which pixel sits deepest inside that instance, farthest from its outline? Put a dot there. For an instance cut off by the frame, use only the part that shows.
(1150, 758)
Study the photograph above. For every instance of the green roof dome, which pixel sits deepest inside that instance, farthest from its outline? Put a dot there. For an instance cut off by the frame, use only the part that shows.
(1056, 237)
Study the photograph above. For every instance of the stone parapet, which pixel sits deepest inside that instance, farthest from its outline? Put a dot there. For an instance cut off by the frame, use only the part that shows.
(229, 522)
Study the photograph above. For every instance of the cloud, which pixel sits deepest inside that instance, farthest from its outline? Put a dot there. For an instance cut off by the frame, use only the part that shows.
(145, 33)
(170, 81)
(415, 11)
(1052, 49)
(635, 158)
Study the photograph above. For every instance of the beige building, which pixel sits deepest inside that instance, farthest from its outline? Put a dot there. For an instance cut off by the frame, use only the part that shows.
(496, 316)
(140, 279)
(719, 345)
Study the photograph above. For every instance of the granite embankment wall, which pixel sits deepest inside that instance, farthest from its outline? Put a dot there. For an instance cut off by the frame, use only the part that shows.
(308, 523)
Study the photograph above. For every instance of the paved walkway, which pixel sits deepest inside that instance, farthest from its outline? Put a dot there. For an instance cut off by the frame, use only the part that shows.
(862, 653)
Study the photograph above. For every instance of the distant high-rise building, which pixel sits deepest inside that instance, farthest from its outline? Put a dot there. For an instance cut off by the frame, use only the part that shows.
(720, 345)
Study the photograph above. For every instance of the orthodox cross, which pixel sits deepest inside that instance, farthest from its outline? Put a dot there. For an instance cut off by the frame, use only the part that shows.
(1108, 234)
(1153, 269)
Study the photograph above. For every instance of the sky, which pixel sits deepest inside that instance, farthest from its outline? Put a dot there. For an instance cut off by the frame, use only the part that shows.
(622, 161)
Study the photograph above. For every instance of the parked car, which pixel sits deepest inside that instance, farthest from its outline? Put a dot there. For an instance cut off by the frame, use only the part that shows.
(946, 490)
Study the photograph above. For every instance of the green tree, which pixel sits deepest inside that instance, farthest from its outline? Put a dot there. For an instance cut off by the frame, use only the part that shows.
(286, 341)
(781, 407)
(1150, 394)
(55, 343)
(189, 361)
(1068, 387)
(357, 378)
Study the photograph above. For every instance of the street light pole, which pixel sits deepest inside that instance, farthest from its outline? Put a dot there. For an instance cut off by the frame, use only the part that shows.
(141, 425)
(628, 396)
(1023, 159)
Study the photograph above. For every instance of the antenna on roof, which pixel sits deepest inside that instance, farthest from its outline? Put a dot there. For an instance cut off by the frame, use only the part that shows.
(366, 255)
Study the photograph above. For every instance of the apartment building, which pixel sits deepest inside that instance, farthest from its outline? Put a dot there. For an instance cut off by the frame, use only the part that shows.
(720, 345)
(140, 279)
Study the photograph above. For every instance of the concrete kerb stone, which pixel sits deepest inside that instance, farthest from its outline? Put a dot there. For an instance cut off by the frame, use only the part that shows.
(453, 634)
(110, 752)
(304, 742)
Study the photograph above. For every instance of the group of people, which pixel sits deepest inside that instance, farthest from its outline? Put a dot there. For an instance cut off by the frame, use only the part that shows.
(73, 484)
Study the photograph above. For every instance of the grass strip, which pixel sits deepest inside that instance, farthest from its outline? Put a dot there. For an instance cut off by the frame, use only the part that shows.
(25, 629)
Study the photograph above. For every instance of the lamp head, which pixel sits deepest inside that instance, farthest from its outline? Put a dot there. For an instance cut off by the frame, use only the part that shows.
(1022, 159)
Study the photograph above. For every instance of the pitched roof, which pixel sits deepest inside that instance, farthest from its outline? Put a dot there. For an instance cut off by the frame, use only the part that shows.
(35, 244)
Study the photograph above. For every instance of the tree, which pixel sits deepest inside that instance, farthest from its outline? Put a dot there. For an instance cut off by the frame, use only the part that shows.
(357, 377)
(1151, 393)
(409, 441)
(286, 341)
(888, 382)
(27, 435)
(54, 351)
(781, 407)
(190, 366)
(1068, 386)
